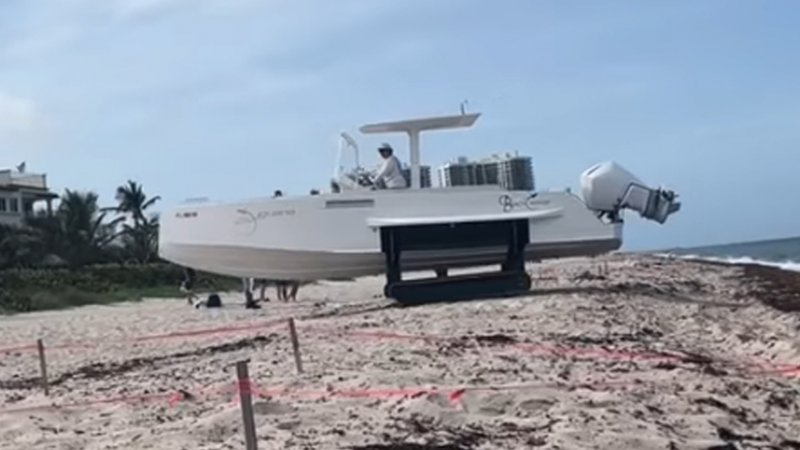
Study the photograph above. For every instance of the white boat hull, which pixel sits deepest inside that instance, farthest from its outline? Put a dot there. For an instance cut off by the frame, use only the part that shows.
(336, 235)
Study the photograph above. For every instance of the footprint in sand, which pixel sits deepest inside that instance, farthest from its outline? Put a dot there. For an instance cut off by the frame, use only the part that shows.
(536, 404)
(490, 405)
(268, 408)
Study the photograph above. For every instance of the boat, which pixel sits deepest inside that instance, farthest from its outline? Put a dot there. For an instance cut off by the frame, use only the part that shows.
(356, 230)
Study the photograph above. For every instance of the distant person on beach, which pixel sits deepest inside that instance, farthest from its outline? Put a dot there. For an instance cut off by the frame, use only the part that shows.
(287, 290)
(262, 284)
(213, 301)
(390, 176)
(248, 284)
(187, 285)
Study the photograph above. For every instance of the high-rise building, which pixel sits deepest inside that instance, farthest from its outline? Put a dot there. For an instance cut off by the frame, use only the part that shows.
(424, 176)
(512, 172)
(515, 173)
(458, 173)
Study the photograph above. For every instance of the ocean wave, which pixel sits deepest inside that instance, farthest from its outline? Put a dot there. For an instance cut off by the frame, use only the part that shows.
(785, 265)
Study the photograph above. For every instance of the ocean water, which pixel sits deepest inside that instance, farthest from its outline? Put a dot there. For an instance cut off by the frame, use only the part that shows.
(782, 253)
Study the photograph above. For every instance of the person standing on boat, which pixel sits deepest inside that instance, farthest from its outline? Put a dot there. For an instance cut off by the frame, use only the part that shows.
(390, 176)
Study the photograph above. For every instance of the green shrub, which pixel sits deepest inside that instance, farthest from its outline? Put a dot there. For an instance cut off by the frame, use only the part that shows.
(40, 289)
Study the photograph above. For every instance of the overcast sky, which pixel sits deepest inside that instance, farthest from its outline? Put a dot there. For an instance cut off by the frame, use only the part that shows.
(235, 98)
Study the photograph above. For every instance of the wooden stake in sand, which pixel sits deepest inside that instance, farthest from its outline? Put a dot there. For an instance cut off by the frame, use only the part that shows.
(43, 366)
(295, 346)
(247, 405)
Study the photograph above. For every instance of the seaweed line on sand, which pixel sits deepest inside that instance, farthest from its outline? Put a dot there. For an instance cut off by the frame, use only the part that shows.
(105, 370)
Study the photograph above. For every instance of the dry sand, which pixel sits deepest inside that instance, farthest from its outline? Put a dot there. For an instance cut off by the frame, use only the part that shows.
(579, 363)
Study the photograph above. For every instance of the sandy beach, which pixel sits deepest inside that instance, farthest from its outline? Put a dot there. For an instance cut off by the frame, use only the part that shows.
(624, 352)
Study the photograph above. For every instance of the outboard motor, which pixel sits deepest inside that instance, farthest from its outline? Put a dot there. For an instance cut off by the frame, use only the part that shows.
(608, 188)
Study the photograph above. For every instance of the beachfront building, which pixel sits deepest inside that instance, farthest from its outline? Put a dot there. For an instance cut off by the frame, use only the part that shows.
(511, 171)
(21, 193)
(424, 176)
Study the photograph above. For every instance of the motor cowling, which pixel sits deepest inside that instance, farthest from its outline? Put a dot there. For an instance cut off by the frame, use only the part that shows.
(608, 188)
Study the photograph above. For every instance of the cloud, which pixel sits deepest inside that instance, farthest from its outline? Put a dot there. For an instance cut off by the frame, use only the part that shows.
(138, 9)
(43, 30)
(41, 42)
(248, 87)
(24, 132)
(17, 114)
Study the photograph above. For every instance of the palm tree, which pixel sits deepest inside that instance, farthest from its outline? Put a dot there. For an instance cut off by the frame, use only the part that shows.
(141, 236)
(132, 200)
(85, 235)
(43, 236)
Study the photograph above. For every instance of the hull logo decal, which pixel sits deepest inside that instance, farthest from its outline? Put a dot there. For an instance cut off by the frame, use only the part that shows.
(247, 221)
(530, 202)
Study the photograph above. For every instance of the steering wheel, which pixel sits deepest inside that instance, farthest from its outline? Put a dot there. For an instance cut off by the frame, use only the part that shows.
(366, 179)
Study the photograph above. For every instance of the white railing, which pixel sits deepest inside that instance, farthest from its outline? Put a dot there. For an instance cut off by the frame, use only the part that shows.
(23, 179)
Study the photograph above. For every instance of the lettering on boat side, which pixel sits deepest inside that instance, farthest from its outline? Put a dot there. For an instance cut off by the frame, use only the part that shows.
(530, 202)
(248, 221)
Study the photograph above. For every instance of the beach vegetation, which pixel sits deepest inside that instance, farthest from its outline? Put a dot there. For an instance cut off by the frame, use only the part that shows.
(83, 253)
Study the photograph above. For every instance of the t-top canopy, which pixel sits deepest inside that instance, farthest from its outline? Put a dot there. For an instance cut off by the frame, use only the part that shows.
(430, 123)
